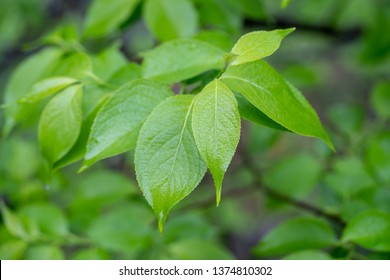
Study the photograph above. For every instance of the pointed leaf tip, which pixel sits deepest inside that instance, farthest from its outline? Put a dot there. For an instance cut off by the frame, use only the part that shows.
(216, 127)
(161, 218)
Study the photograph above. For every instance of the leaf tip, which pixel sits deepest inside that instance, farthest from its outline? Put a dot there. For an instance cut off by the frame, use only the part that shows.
(161, 218)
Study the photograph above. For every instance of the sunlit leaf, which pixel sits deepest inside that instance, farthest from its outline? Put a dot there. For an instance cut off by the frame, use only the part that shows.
(216, 128)
(181, 59)
(167, 161)
(60, 124)
(116, 126)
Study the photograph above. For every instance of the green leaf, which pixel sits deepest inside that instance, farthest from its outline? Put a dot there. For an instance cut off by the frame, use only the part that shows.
(49, 218)
(296, 234)
(47, 87)
(216, 38)
(127, 73)
(80, 147)
(93, 192)
(181, 59)
(349, 177)
(74, 64)
(216, 127)
(44, 252)
(167, 161)
(285, 3)
(124, 229)
(262, 86)
(108, 62)
(91, 254)
(308, 255)
(294, 176)
(370, 229)
(33, 69)
(378, 156)
(352, 117)
(380, 99)
(104, 16)
(12, 250)
(257, 45)
(60, 124)
(199, 250)
(116, 126)
(251, 113)
(12, 222)
(171, 19)
(218, 15)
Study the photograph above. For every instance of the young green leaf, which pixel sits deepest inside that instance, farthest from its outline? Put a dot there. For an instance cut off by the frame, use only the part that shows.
(216, 128)
(296, 234)
(108, 62)
(262, 86)
(167, 161)
(80, 147)
(308, 255)
(181, 59)
(30, 71)
(75, 65)
(104, 16)
(60, 124)
(47, 87)
(116, 126)
(370, 229)
(251, 113)
(171, 19)
(257, 45)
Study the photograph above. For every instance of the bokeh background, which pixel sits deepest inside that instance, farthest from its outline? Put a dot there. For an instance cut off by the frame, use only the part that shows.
(284, 196)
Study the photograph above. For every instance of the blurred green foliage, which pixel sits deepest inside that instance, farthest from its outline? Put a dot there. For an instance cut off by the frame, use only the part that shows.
(284, 196)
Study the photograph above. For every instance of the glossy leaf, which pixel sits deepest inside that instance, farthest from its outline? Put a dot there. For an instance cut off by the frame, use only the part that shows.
(171, 19)
(104, 16)
(108, 62)
(127, 73)
(370, 229)
(262, 86)
(80, 147)
(251, 113)
(60, 124)
(181, 59)
(296, 234)
(48, 87)
(30, 71)
(257, 45)
(167, 161)
(74, 64)
(216, 127)
(116, 126)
